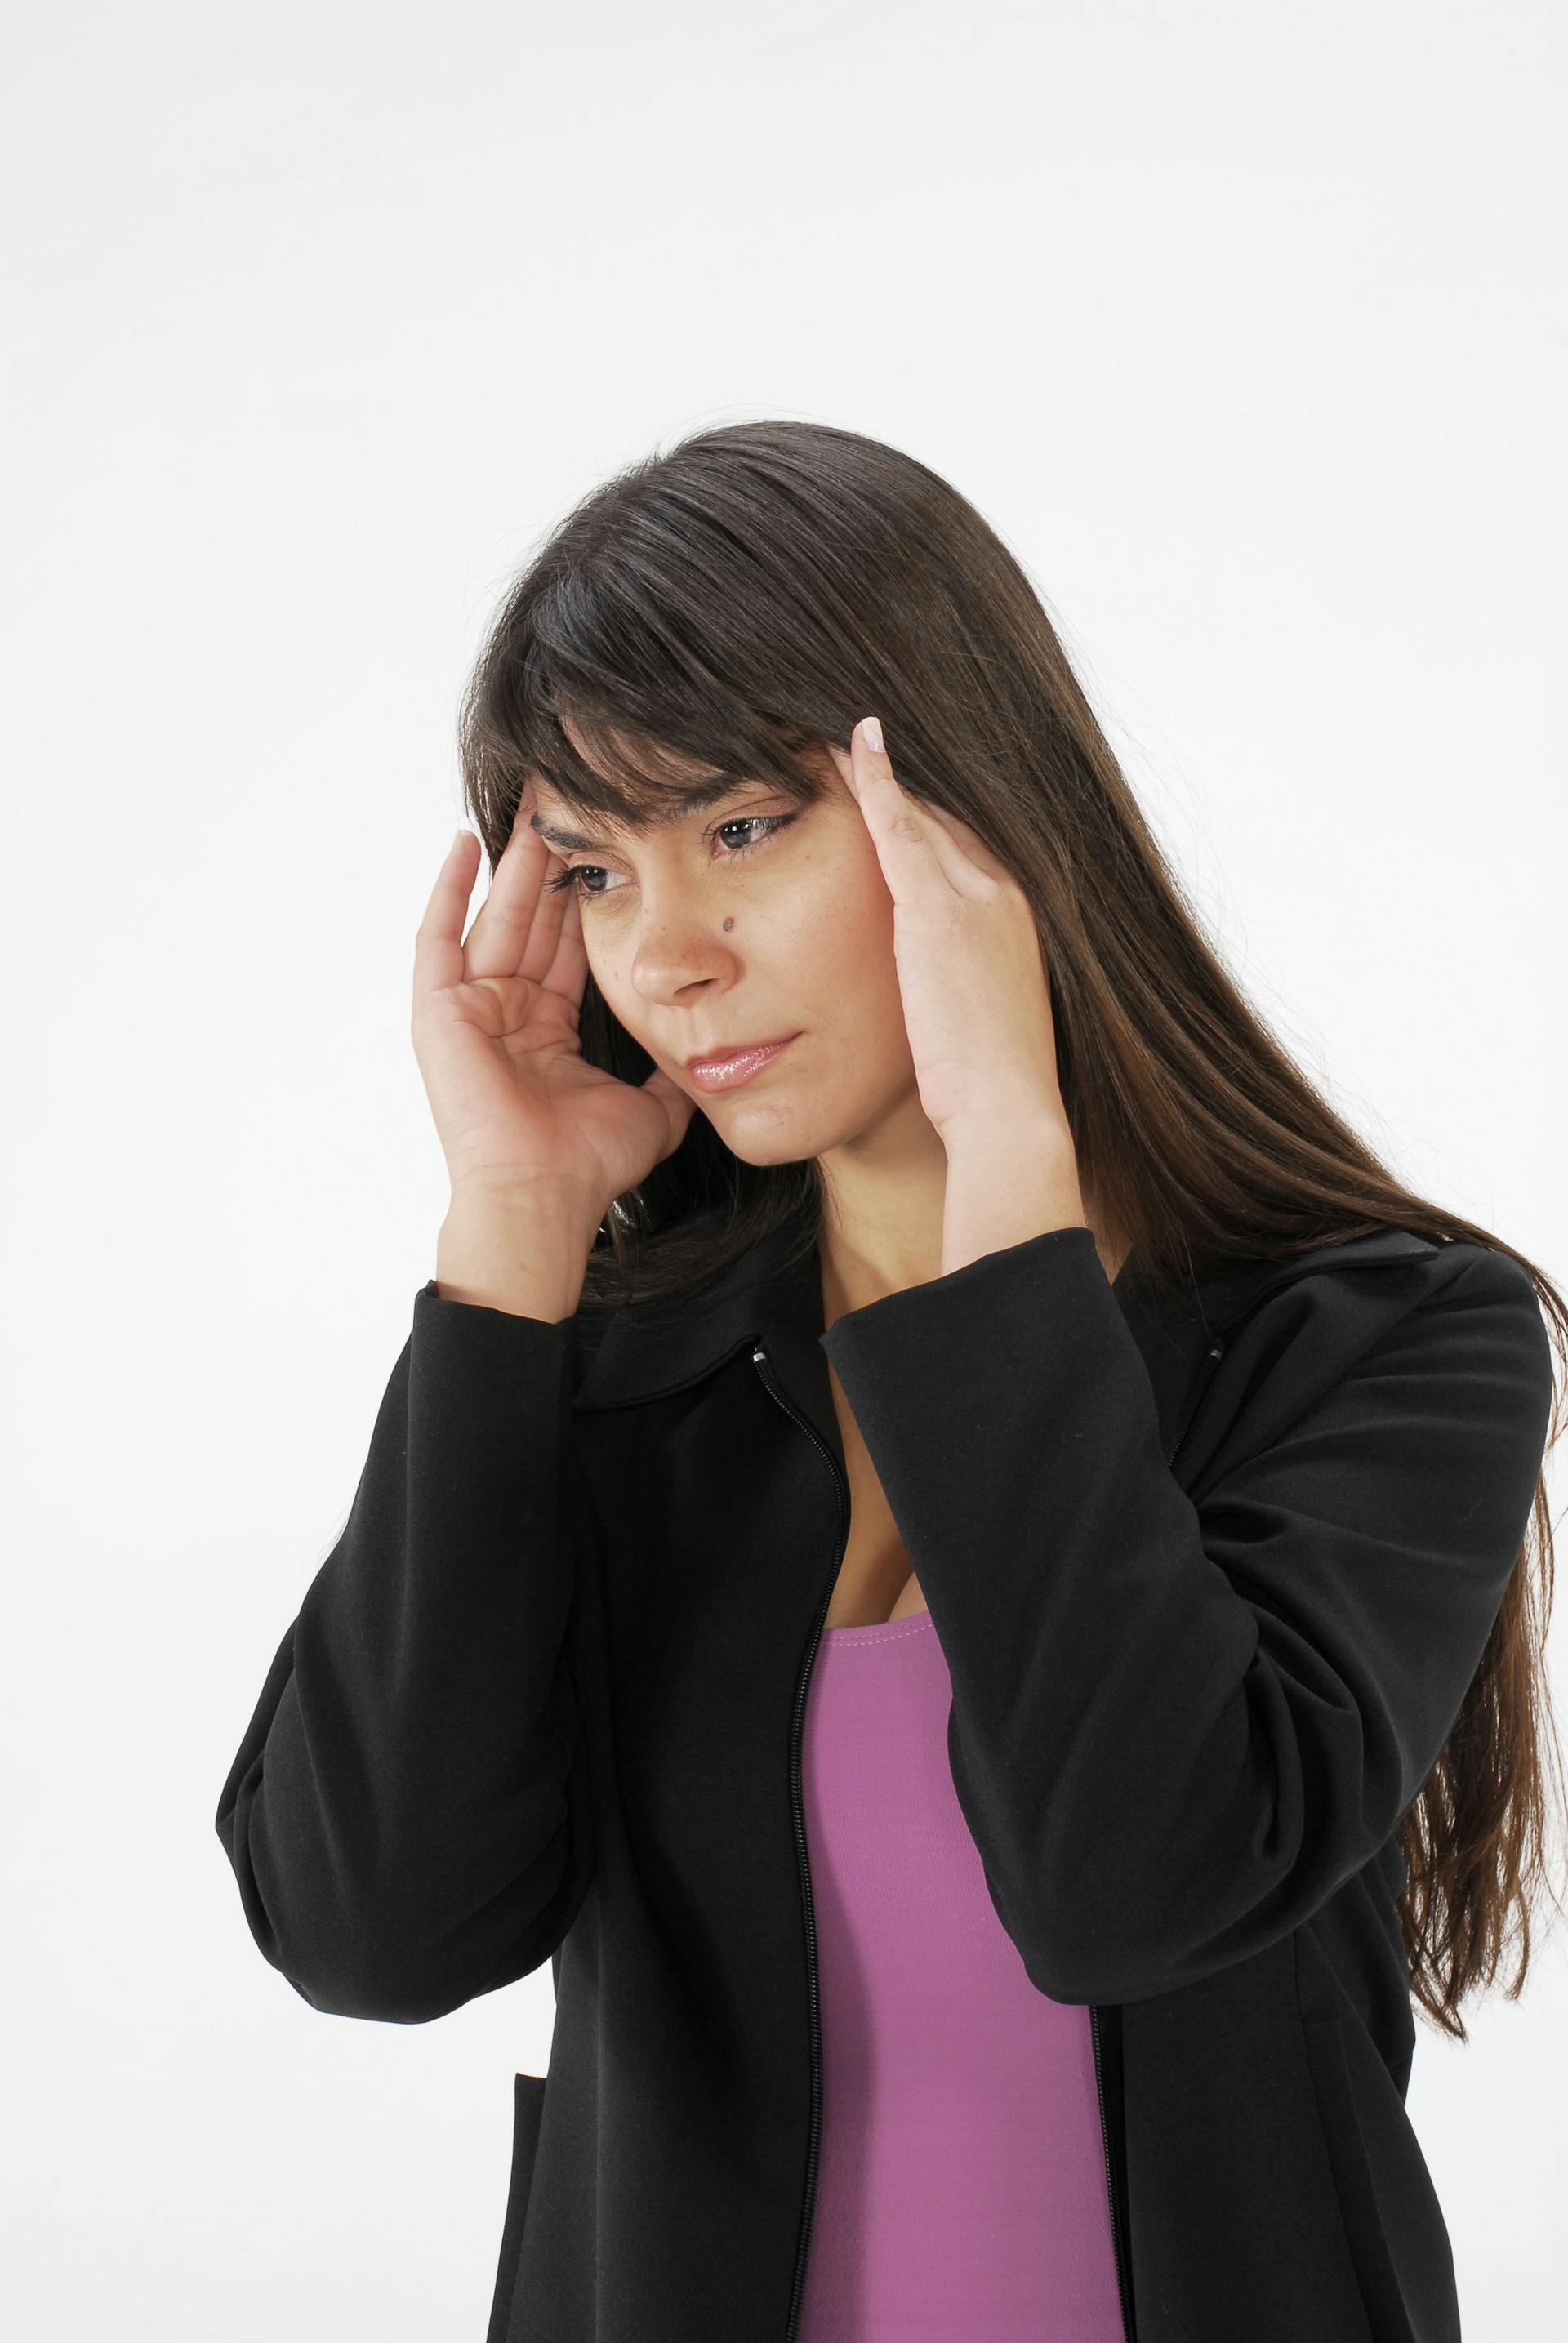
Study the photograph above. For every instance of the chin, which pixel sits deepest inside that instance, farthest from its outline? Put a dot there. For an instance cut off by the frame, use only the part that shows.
(791, 1135)
(779, 1144)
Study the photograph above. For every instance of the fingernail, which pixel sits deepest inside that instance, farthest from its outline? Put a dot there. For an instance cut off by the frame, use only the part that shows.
(871, 733)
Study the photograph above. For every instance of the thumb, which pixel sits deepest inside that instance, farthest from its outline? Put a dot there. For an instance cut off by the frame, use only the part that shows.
(677, 1107)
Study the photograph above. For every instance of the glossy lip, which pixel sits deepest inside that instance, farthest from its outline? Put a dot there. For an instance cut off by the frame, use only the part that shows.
(726, 1073)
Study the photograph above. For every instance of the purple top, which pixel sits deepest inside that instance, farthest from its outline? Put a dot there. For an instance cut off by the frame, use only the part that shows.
(961, 2183)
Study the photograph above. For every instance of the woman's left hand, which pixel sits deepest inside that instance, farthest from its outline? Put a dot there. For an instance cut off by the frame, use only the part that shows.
(972, 973)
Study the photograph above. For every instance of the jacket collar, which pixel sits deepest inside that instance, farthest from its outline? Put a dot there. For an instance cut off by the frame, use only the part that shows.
(642, 1354)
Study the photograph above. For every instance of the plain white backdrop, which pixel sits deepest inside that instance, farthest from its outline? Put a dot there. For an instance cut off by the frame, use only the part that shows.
(1243, 324)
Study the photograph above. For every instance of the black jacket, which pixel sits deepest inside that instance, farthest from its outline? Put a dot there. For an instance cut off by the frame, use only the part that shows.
(1211, 1581)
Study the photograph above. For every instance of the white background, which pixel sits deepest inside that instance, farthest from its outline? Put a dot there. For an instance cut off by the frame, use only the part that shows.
(1243, 324)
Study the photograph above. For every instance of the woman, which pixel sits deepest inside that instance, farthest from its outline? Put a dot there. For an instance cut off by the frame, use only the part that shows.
(971, 1596)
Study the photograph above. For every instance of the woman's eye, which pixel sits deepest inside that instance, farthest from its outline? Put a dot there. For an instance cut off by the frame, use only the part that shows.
(766, 824)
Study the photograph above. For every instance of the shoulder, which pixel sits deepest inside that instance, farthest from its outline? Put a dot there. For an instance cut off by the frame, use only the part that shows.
(1448, 1282)
(1480, 1305)
(1421, 1335)
(1377, 1281)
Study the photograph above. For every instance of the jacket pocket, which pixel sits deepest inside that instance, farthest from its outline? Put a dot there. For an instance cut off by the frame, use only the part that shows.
(1393, 2224)
(528, 2110)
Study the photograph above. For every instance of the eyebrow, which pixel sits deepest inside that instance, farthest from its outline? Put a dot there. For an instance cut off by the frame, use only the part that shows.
(695, 800)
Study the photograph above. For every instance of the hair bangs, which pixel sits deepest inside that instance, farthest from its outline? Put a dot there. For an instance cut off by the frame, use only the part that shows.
(633, 752)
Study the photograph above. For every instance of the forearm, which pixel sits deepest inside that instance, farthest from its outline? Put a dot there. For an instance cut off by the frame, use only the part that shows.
(1006, 1183)
(404, 1813)
(522, 1251)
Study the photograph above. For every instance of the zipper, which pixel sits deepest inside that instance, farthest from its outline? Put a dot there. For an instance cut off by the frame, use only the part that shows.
(1117, 2226)
(1118, 2217)
(760, 1357)
(1199, 1385)
(1118, 2213)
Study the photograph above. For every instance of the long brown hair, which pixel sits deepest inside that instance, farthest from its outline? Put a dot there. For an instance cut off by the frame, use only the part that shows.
(715, 614)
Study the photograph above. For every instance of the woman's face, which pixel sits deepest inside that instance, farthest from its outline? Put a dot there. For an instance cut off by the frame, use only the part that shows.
(749, 921)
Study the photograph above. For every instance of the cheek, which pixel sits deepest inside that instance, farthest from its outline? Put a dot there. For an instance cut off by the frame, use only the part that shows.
(837, 929)
(845, 933)
(864, 903)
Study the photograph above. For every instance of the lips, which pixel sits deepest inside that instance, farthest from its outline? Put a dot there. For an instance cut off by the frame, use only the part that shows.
(735, 1065)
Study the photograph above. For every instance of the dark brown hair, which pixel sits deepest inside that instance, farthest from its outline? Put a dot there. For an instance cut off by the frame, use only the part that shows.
(715, 614)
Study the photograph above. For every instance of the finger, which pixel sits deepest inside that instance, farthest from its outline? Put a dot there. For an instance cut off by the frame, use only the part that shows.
(524, 928)
(970, 843)
(511, 936)
(959, 834)
(555, 954)
(439, 941)
(518, 924)
(904, 830)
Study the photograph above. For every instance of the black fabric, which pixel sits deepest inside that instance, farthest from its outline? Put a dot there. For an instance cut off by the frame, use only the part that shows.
(1211, 1579)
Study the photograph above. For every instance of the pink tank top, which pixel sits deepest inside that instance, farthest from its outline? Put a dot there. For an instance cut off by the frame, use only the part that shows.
(961, 2178)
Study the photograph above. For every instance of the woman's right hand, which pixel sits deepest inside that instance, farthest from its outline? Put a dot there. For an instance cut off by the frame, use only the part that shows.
(495, 1030)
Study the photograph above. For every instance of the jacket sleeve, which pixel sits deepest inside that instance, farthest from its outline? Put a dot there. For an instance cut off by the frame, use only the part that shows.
(1177, 1726)
(406, 1816)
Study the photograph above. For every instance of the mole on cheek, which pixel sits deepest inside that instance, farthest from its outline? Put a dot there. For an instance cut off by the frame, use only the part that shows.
(727, 925)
